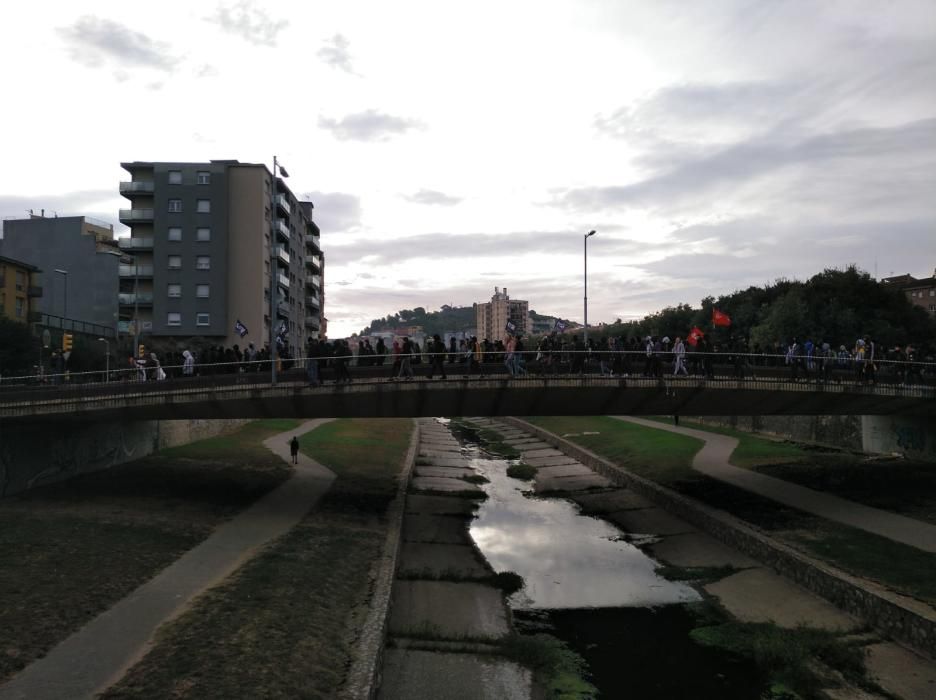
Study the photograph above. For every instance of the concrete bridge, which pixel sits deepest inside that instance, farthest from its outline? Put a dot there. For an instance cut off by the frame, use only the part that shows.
(251, 395)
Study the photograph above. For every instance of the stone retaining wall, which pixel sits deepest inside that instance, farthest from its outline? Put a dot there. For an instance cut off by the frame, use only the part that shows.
(364, 676)
(34, 455)
(902, 618)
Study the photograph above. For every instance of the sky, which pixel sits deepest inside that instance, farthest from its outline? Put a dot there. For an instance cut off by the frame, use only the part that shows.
(451, 147)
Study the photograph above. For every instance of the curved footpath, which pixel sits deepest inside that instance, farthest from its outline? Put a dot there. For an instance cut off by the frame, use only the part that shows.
(712, 460)
(98, 655)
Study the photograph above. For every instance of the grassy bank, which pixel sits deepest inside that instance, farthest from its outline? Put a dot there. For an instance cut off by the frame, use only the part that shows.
(666, 458)
(71, 550)
(282, 626)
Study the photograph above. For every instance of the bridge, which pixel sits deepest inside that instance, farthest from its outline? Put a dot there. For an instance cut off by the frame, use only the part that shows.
(494, 393)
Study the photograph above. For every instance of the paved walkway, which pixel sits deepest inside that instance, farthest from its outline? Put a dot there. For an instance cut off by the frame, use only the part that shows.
(712, 460)
(98, 654)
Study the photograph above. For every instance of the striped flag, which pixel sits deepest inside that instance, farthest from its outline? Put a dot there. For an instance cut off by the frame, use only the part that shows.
(240, 328)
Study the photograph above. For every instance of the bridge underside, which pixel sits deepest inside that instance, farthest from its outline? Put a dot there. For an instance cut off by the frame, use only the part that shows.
(488, 397)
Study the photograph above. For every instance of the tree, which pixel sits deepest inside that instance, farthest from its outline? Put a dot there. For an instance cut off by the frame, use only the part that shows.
(19, 351)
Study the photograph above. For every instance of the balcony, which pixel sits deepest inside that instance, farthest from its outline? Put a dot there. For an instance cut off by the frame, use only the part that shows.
(312, 322)
(129, 189)
(129, 216)
(135, 243)
(282, 280)
(33, 291)
(316, 281)
(313, 241)
(282, 204)
(282, 229)
(282, 256)
(141, 299)
(312, 263)
(282, 309)
(135, 271)
(313, 302)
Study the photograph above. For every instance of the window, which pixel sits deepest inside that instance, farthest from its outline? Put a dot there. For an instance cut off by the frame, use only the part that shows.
(203, 177)
(203, 262)
(204, 206)
(20, 281)
(175, 262)
(174, 318)
(175, 205)
(20, 307)
(175, 291)
(202, 319)
(175, 177)
(175, 233)
(933, 292)
(202, 291)
(203, 235)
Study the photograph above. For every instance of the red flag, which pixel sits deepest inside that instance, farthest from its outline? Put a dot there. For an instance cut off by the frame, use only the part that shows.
(695, 335)
(719, 318)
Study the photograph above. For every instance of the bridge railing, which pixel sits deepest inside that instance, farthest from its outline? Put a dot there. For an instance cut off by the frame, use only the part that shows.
(758, 371)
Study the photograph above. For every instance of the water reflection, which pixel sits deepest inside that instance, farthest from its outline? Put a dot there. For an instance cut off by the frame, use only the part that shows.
(567, 560)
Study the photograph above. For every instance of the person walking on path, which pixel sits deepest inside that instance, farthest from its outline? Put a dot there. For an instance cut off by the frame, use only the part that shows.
(436, 356)
(294, 449)
(406, 359)
(679, 353)
(188, 363)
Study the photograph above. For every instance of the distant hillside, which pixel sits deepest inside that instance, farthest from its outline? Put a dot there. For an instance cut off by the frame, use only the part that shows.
(447, 319)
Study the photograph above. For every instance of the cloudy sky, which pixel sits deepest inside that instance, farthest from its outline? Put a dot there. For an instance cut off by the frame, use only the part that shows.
(451, 147)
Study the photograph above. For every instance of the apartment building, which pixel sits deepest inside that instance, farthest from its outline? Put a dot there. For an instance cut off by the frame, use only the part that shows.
(17, 289)
(491, 318)
(207, 238)
(920, 291)
(77, 261)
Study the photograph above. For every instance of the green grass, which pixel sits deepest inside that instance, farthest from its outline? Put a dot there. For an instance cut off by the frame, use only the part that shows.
(521, 471)
(662, 456)
(559, 670)
(902, 568)
(788, 656)
(71, 550)
(283, 625)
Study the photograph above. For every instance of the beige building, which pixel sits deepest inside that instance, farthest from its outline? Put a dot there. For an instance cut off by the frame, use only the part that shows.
(491, 318)
(209, 241)
(17, 289)
(920, 292)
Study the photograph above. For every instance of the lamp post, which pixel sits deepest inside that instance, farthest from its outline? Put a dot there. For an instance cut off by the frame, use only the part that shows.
(64, 273)
(587, 236)
(106, 358)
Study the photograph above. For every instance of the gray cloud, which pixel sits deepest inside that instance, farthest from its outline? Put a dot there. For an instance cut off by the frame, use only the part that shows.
(67, 204)
(335, 211)
(439, 246)
(433, 197)
(250, 23)
(369, 125)
(95, 41)
(335, 53)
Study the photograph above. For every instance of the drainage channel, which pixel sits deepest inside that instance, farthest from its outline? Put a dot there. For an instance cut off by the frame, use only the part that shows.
(585, 581)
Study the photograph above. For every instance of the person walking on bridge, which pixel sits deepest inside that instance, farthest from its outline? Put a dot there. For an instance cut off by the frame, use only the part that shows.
(294, 449)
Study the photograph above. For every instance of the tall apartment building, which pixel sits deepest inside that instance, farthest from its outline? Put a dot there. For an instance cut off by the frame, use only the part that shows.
(203, 236)
(17, 289)
(491, 318)
(79, 262)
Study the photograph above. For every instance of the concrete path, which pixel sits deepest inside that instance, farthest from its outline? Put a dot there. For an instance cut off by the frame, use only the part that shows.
(98, 654)
(712, 460)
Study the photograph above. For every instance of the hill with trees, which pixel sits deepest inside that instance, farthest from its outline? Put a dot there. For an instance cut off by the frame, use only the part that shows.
(445, 320)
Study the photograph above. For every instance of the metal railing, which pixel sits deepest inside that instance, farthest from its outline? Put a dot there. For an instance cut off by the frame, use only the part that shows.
(136, 214)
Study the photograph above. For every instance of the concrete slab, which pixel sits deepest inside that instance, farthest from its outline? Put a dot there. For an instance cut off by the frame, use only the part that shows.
(449, 472)
(443, 462)
(580, 482)
(544, 452)
(611, 501)
(440, 505)
(759, 595)
(434, 560)
(549, 461)
(439, 442)
(437, 483)
(411, 673)
(698, 549)
(447, 610)
(435, 528)
(650, 521)
(573, 469)
(528, 440)
(901, 672)
(439, 452)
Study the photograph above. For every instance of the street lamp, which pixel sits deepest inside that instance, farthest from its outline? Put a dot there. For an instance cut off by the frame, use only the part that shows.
(106, 358)
(64, 273)
(587, 236)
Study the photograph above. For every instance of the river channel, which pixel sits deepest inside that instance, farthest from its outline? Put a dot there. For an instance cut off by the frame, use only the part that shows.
(587, 583)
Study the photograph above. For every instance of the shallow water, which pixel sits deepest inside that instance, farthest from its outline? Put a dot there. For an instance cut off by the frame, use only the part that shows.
(567, 560)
